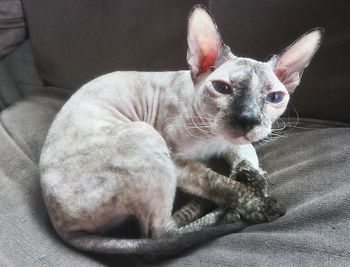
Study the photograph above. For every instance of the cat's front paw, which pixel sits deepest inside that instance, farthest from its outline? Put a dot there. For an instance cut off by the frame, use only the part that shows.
(261, 209)
(255, 179)
(257, 207)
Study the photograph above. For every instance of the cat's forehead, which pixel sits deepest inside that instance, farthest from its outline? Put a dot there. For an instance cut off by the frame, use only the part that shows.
(246, 70)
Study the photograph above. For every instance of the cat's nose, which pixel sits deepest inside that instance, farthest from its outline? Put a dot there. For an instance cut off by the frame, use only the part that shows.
(246, 120)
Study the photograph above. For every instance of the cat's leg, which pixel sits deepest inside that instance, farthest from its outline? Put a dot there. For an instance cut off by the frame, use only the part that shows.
(197, 211)
(245, 167)
(192, 211)
(253, 177)
(210, 219)
(191, 214)
(242, 171)
(218, 216)
(194, 177)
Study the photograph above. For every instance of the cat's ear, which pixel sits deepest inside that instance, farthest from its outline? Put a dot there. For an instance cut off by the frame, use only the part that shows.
(205, 46)
(290, 64)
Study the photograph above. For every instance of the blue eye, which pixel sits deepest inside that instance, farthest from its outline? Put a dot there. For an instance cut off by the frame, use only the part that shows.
(221, 87)
(275, 97)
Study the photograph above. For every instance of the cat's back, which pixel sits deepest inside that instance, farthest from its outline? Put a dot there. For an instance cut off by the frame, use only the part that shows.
(134, 84)
(123, 96)
(109, 102)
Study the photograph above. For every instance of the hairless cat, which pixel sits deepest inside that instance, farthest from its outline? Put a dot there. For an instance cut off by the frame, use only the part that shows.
(125, 141)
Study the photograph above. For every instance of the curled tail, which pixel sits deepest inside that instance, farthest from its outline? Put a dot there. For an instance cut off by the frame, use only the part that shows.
(166, 245)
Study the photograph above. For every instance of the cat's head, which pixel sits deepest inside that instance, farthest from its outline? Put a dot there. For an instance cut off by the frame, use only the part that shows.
(244, 96)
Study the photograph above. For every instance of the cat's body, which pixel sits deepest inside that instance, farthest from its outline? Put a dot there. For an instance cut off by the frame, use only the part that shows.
(103, 133)
(124, 142)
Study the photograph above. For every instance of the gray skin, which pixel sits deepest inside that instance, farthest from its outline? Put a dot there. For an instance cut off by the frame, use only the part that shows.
(125, 141)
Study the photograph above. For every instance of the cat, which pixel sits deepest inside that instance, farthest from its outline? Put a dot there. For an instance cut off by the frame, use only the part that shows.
(125, 141)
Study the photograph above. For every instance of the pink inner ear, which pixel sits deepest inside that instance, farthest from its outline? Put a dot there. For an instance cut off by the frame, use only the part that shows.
(208, 60)
(204, 42)
(281, 73)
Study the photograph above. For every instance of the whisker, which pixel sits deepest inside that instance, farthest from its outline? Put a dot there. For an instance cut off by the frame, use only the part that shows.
(210, 116)
(195, 125)
(187, 117)
(191, 134)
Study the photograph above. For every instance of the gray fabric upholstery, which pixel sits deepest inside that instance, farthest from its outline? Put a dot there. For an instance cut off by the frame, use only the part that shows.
(27, 121)
(18, 75)
(12, 26)
(98, 37)
(309, 174)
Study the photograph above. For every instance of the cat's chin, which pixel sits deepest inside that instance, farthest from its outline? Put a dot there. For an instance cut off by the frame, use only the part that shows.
(241, 140)
(241, 137)
(258, 133)
(246, 138)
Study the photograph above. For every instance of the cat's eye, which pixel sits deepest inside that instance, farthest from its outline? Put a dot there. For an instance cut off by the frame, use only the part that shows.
(222, 87)
(275, 97)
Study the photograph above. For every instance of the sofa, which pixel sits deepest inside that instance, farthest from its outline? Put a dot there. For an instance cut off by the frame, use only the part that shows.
(63, 44)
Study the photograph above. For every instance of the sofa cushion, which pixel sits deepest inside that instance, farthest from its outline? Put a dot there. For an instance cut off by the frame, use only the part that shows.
(12, 26)
(27, 121)
(309, 174)
(18, 75)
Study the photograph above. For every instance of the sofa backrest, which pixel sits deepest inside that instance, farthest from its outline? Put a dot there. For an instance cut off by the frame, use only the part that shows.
(75, 41)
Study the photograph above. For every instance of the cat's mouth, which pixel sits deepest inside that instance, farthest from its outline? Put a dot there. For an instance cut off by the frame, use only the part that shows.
(238, 140)
(245, 137)
(242, 136)
(234, 135)
(238, 136)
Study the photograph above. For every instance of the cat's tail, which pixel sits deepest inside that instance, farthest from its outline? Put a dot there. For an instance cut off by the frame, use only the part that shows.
(166, 245)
